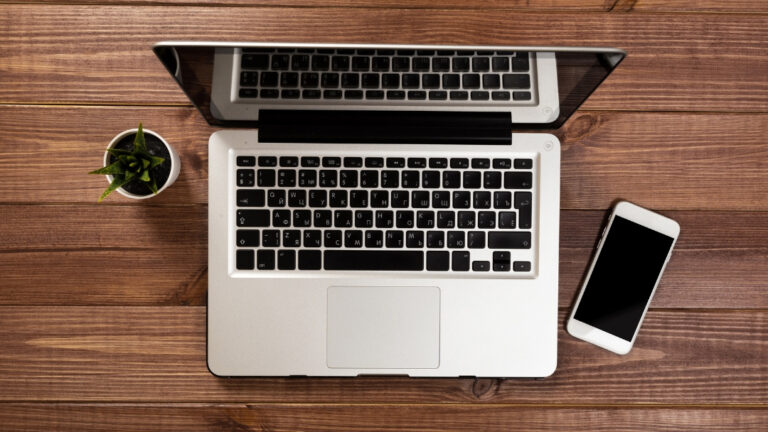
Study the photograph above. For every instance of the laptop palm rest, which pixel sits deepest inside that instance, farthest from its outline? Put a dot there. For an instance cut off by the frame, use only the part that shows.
(374, 327)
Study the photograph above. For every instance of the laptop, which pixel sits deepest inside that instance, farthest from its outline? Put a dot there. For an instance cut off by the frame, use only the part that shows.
(382, 209)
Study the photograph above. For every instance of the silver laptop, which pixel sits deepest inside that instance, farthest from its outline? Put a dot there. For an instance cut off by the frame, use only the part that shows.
(383, 210)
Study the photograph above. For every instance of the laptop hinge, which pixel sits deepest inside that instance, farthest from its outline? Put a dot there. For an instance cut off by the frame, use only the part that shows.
(395, 127)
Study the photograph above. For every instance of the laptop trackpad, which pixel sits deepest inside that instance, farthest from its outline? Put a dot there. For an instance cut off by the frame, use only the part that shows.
(383, 327)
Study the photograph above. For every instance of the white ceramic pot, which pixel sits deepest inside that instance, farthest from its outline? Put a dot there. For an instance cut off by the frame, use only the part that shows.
(175, 162)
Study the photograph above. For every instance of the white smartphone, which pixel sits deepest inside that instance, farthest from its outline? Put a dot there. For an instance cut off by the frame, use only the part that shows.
(631, 256)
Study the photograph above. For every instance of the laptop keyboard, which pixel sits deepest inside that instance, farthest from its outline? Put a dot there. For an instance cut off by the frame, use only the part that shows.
(374, 75)
(417, 213)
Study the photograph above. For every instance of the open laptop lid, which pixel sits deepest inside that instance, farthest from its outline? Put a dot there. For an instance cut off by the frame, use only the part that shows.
(560, 80)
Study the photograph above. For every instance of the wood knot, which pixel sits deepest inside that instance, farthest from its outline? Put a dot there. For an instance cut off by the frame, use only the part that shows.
(581, 127)
(485, 388)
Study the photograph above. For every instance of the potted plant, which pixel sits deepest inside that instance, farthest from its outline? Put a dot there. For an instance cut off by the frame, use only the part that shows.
(138, 164)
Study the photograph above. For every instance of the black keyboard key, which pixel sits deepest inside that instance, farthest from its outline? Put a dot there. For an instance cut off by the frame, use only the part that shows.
(279, 62)
(269, 93)
(309, 260)
(500, 64)
(297, 198)
(446, 219)
(289, 161)
(327, 178)
(269, 79)
(311, 94)
(342, 218)
(414, 239)
(338, 198)
(286, 259)
(486, 219)
(523, 203)
(320, 62)
(329, 80)
(323, 218)
(451, 179)
(466, 219)
(480, 64)
(310, 162)
(286, 178)
(476, 240)
(435, 239)
(395, 94)
(302, 218)
(472, 179)
(521, 266)
(471, 81)
(523, 163)
(374, 162)
(376, 260)
(276, 198)
(300, 62)
(390, 81)
(461, 64)
(502, 163)
(395, 162)
(460, 261)
(491, 81)
(501, 261)
(270, 238)
(289, 79)
(425, 52)
(380, 64)
(379, 198)
(438, 95)
(425, 219)
(451, 81)
(417, 162)
(290, 94)
(420, 64)
(481, 163)
(518, 180)
(446, 52)
(265, 259)
(438, 162)
(502, 200)
(410, 179)
(374, 239)
(281, 218)
(441, 64)
(331, 162)
(390, 179)
(250, 198)
(252, 218)
(255, 61)
(438, 260)
(318, 198)
(492, 180)
(520, 63)
(363, 219)
(361, 64)
(332, 94)
(353, 162)
(459, 95)
(481, 200)
(417, 95)
(456, 239)
(479, 95)
(481, 266)
(249, 79)
(350, 80)
(461, 199)
(385, 218)
(374, 94)
(246, 238)
(366, 51)
(521, 96)
(430, 179)
(459, 163)
(267, 161)
(399, 199)
(411, 81)
(340, 63)
(507, 220)
(358, 199)
(515, 81)
(420, 199)
(394, 239)
(500, 95)
(370, 80)
(245, 177)
(332, 239)
(441, 199)
(353, 94)
(430, 81)
(401, 64)
(404, 219)
(509, 239)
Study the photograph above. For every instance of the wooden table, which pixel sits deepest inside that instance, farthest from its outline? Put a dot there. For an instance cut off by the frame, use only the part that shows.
(102, 306)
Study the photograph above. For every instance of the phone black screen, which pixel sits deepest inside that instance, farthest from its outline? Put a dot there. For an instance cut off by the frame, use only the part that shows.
(623, 278)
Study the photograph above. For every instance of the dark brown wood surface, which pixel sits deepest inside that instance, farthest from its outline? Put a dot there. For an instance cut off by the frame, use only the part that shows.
(102, 306)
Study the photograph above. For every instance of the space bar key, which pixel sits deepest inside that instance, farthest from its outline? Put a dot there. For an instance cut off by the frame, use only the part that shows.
(373, 260)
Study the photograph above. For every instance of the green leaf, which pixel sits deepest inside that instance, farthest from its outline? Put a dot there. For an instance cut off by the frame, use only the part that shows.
(139, 143)
(115, 168)
(129, 175)
(156, 160)
(144, 176)
(153, 186)
(145, 163)
(116, 183)
(118, 152)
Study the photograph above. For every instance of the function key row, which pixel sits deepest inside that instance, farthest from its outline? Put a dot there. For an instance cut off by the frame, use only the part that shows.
(380, 162)
(377, 95)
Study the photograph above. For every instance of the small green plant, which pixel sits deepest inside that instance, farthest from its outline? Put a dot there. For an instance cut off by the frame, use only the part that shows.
(131, 166)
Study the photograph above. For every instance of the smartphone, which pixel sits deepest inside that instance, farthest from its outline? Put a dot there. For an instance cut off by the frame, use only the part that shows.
(622, 278)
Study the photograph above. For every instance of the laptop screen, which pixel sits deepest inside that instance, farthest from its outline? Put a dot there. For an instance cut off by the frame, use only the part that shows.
(239, 85)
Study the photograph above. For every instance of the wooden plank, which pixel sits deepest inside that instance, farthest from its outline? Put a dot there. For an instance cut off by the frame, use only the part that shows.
(674, 161)
(335, 418)
(40, 243)
(703, 62)
(157, 354)
(688, 6)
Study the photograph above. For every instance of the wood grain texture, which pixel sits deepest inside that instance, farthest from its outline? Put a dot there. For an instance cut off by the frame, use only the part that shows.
(157, 354)
(340, 418)
(702, 62)
(673, 161)
(722, 269)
